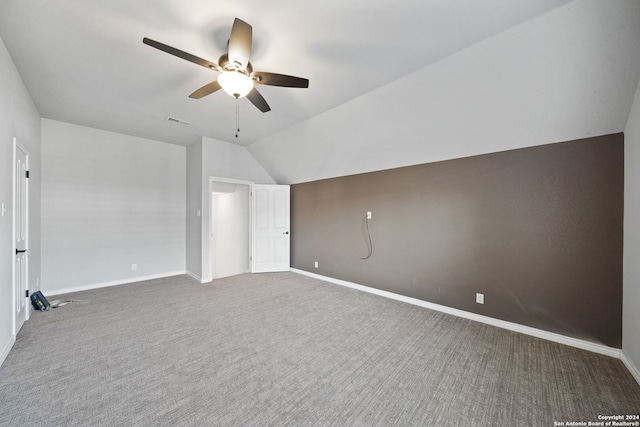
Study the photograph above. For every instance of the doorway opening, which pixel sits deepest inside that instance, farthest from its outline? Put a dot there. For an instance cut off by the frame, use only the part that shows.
(229, 227)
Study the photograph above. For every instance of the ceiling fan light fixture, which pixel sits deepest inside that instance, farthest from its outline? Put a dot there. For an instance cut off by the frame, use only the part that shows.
(235, 83)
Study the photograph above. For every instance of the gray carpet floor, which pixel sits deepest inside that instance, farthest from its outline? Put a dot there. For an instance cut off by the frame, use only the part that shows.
(285, 349)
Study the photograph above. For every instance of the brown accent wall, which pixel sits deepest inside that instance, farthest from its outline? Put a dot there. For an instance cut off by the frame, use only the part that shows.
(537, 230)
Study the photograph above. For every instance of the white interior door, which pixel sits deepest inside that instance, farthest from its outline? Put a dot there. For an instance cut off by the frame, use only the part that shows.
(270, 248)
(21, 267)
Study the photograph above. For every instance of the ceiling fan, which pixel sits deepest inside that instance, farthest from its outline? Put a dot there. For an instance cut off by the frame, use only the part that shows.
(237, 77)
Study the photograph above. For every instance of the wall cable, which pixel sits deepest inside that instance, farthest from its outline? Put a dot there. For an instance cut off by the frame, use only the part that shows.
(366, 222)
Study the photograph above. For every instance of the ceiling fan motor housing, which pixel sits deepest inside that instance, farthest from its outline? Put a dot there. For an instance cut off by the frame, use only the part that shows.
(227, 65)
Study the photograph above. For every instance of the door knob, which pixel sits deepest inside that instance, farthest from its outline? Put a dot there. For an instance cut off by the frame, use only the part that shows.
(286, 232)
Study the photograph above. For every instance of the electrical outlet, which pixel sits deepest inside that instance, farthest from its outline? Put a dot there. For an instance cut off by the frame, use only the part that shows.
(315, 264)
(369, 215)
(480, 298)
(134, 267)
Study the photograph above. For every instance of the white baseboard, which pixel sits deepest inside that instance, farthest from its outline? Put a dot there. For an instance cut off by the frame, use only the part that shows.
(631, 367)
(527, 330)
(7, 348)
(111, 283)
(195, 276)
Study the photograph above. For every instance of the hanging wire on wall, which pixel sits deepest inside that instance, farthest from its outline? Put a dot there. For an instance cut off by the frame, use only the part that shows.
(370, 244)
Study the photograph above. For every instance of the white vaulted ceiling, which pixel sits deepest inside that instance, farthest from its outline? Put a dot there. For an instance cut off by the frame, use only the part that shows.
(570, 73)
(84, 61)
(391, 83)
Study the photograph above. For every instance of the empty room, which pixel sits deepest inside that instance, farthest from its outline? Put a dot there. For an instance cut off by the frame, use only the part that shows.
(239, 213)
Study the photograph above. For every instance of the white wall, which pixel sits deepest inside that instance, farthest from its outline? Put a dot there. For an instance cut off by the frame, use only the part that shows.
(568, 74)
(631, 271)
(109, 201)
(223, 160)
(232, 161)
(207, 158)
(18, 118)
(194, 197)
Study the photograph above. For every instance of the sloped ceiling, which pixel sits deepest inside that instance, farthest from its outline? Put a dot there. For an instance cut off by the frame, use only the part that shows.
(391, 83)
(568, 74)
(84, 61)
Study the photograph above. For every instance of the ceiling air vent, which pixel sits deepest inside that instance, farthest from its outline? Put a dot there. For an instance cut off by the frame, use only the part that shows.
(177, 121)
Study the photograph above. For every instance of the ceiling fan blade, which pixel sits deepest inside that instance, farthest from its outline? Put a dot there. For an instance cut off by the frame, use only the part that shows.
(273, 79)
(205, 90)
(181, 54)
(257, 100)
(240, 43)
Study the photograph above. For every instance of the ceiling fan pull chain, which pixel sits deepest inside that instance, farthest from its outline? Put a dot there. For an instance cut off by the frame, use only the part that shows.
(237, 117)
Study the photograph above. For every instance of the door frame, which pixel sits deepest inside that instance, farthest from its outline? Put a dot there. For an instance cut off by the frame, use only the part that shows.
(208, 241)
(16, 146)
